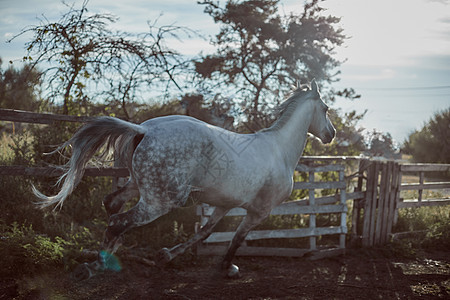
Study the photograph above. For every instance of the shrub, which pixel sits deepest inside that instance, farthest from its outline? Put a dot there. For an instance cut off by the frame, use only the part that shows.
(23, 251)
(438, 237)
(430, 144)
(435, 220)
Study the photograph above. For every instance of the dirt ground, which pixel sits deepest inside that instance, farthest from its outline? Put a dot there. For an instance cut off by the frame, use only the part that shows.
(360, 274)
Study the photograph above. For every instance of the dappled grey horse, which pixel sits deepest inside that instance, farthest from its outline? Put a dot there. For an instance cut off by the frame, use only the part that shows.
(170, 157)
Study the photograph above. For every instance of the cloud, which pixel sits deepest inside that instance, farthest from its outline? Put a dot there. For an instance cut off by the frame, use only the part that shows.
(371, 74)
(8, 35)
(445, 2)
(386, 33)
(435, 62)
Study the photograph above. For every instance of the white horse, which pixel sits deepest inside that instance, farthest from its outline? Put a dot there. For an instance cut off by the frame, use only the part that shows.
(169, 157)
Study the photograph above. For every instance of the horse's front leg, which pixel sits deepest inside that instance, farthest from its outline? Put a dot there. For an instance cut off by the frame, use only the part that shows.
(165, 255)
(248, 223)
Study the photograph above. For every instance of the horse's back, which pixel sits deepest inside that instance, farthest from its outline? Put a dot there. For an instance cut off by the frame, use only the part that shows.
(174, 119)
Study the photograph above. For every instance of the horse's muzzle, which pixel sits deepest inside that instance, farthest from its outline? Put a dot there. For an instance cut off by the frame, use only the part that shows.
(329, 135)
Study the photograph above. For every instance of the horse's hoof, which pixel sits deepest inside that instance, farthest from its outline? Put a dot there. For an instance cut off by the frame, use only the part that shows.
(233, 272)
(82, 272)
(163, 257)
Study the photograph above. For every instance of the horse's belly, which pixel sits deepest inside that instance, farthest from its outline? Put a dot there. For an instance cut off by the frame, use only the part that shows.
(215, 197)
(232, 189)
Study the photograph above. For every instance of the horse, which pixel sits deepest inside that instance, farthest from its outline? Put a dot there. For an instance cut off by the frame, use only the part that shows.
(170, 157)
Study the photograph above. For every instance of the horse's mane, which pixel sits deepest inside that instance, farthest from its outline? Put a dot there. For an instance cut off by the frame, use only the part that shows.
(284, 111)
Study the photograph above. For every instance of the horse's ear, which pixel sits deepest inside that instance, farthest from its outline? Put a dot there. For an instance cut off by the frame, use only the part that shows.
(314, 86)
(297, 86)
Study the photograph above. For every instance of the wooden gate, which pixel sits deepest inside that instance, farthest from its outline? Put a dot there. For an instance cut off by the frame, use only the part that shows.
(382, 190)
(382, 181)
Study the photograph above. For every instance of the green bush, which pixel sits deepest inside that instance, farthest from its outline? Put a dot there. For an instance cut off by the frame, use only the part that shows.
(434, 220)
(421, 218)
(25, 252)
(438, 237)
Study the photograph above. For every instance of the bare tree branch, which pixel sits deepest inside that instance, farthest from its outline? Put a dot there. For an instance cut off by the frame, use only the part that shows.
(80, 50)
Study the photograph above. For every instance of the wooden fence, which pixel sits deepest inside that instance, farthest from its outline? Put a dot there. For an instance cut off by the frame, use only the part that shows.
(376, 198)
(376, 201)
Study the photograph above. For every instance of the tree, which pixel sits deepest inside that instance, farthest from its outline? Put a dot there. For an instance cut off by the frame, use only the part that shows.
(432, 142)
(19, 88)
(381, 144)
(82, 55)
(261, 54)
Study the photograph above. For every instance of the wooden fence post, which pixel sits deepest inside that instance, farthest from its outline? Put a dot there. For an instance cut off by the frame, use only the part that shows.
(312, 216)
(342, 194)
(395, 169)
(367, 206)
(370, 206)
(397, 194)
(374, 203)
(385, 208)
(421, 180)
(384, 205)
(380, 205)
(358, 203)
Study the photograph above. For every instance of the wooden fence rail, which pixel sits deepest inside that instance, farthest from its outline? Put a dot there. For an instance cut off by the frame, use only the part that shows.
(21, 116)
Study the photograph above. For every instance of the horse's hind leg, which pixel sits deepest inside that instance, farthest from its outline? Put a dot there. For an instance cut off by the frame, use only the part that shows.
(165, 255)
(142, 213)
(114, 202)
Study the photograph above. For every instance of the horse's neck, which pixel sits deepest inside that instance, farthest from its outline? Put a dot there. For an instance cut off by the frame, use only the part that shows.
(291, 136)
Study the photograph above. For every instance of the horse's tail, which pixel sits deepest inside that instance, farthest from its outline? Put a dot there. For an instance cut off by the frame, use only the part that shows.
(117, 134)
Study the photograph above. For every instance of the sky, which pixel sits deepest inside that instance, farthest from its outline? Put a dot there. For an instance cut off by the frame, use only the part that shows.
(397, 56)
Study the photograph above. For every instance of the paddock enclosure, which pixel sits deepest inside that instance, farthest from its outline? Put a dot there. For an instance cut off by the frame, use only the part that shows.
(359, 202)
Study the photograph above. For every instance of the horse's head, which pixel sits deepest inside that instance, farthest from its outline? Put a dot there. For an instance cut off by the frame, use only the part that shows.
(320, 126)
